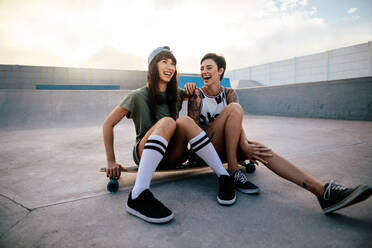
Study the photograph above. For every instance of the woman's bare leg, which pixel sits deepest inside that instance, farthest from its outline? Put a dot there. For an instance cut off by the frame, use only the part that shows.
(185, 131)
(165, 127)
(289, 171)
(284, 168)
(188, 131)
(225, 132)
(152, 149)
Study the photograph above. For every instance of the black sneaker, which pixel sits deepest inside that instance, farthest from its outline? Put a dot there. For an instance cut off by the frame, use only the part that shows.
(226, 191)
(148, 208)
(338, 196)
(242, 183)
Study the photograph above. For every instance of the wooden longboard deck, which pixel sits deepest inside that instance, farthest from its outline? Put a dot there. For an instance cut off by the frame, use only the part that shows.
(134, 169)
(113, 184)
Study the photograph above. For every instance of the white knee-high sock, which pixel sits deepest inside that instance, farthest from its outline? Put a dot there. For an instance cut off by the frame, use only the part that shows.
(152, 154)
(203, 147)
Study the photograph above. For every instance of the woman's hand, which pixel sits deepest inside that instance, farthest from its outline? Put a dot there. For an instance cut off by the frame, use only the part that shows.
(256, 151)
(190, 88)
(113, 170)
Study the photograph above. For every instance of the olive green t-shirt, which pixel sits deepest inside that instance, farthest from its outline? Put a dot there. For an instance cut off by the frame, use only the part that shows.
(136, 104)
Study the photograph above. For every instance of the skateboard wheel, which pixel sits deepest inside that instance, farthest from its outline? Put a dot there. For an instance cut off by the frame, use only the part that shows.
(250, 168)
(113, 186)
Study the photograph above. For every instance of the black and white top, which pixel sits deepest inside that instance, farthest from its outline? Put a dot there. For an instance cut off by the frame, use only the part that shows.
(211, 107)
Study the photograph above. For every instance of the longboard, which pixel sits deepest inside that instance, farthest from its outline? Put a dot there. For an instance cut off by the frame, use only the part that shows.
(113, 185)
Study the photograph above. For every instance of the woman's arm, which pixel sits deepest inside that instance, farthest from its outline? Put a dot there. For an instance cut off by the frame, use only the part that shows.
(190, 89)
(231, 96)
(113, 169)
(193, 106)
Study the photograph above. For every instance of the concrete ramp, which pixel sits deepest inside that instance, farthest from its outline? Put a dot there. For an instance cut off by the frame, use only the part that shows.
(248, 83)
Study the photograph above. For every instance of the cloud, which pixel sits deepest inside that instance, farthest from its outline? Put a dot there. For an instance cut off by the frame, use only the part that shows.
(352, 10)
(292, 4)
(287, 45)
(23, 56)
(353, 13)
(109, 57)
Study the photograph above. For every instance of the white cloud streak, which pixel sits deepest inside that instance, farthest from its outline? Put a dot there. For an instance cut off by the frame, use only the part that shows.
(352, 10)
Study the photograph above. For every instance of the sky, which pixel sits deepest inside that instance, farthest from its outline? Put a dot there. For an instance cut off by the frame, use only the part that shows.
(120, 34)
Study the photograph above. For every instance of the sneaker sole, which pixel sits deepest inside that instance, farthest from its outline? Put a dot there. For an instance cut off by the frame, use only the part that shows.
(149, 219)
(361, 193)
(248, 191)
(226, 202)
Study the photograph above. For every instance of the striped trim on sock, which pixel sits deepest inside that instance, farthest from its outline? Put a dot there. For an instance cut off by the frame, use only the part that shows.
(157, 142)
(195, 143)
(200, 143)
(156, 145)
(156, 148)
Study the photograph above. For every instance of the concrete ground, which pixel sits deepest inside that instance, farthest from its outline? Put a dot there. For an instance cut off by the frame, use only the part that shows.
(52, 195)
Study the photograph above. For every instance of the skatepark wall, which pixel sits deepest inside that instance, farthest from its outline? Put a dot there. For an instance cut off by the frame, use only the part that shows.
(23, 109)
(56, 78)
(346, 99)
(29, 77)
(349, 99)
(343, 63)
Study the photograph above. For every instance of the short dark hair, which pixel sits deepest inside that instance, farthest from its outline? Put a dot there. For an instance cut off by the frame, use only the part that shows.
(219, 59)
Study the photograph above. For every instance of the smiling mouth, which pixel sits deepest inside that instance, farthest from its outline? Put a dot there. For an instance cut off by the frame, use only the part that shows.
(168, 74)
(207, 77)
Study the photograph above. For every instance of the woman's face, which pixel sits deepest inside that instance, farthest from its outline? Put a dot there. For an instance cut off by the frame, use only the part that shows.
(166, 69)
(209, 72)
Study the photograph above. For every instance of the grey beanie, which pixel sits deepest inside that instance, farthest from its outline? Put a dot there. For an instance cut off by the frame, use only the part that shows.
(157, 51)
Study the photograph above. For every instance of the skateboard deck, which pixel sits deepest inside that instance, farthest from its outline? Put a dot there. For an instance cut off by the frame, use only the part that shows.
(134, 169)
(113, 185)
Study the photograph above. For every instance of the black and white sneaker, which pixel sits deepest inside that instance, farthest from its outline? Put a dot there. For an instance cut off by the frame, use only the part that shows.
(242, 183)
(226, 191)
(337, 196)
(148, 208)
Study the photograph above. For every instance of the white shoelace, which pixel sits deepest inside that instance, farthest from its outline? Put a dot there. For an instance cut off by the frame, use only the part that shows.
(332, 186)
(239, 176)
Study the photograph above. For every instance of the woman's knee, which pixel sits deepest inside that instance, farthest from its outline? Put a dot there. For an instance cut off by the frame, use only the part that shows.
(166, 123)
(187, 127)
(235, 109)
(185, 121)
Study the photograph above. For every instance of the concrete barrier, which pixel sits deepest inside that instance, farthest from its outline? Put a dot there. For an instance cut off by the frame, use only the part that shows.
(347, 99)
(342, 99)
(27, 77)
(44, 77)
(23, 109)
